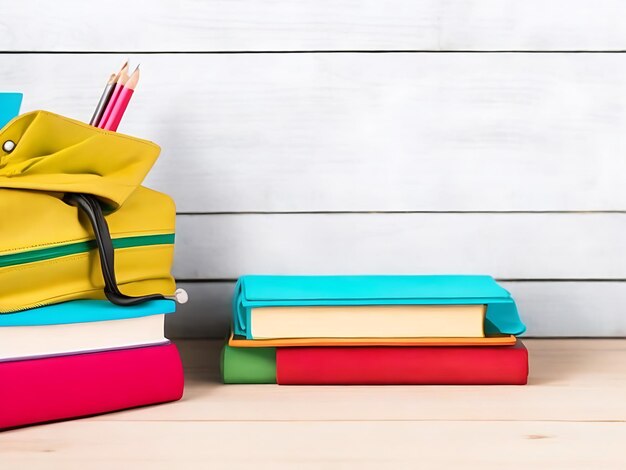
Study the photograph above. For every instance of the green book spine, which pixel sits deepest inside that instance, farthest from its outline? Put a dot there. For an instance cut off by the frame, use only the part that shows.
(248, 365)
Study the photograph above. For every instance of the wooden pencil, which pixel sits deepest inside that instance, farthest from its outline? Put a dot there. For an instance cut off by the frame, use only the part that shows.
(119, 86)
(104, 99)
(122, 101)
(106, 96)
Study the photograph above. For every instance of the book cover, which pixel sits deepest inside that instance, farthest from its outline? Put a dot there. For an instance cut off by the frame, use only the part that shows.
(241, 342)
(261, 291)
(248, 365)
(403, 366)
(50, 389)
(83, 311)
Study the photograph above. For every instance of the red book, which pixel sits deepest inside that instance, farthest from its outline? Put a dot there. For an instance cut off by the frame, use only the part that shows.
(61, 387)
(402, 365)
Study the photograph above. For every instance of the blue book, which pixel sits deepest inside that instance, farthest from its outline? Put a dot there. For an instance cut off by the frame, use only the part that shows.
(257, 291)
(84, 311)
(9, 107)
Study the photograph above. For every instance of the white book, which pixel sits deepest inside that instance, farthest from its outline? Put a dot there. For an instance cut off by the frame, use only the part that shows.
(19, 342)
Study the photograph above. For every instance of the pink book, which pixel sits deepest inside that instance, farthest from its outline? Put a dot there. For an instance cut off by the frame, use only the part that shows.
(61, 387)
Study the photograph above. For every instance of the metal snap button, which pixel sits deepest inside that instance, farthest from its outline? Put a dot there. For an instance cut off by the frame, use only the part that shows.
(8, 146)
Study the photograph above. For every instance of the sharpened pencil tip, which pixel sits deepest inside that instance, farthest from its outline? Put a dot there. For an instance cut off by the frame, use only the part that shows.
(134, 79)
(121, 72)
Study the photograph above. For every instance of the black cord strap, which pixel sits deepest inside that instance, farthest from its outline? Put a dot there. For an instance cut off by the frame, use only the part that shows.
(90, 206)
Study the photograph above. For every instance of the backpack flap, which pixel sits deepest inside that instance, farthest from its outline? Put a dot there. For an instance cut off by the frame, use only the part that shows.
(43, 151)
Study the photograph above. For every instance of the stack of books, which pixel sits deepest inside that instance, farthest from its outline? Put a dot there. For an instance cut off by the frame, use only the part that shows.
(61, 183)
(334, 330)
(85, 357)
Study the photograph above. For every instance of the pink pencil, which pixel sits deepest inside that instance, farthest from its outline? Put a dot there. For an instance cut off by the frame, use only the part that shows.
(122, 102)
(119, 86)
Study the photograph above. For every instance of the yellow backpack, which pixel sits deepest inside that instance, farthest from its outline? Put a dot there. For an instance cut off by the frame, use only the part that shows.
(75, 222)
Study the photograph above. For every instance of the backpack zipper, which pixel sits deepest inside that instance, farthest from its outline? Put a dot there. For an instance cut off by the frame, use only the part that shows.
(44, 254)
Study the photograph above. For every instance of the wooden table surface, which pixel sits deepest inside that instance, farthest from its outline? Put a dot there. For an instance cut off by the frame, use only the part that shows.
(571, 415)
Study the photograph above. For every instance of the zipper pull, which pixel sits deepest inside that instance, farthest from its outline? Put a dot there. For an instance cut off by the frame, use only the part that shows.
(179, 296)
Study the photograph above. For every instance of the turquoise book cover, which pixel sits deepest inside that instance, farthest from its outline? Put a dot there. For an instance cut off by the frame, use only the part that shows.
(9, 107)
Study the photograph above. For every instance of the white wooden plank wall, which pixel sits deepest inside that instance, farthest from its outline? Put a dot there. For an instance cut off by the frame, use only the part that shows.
(329, 25)
(349, 136)
(364, 132)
